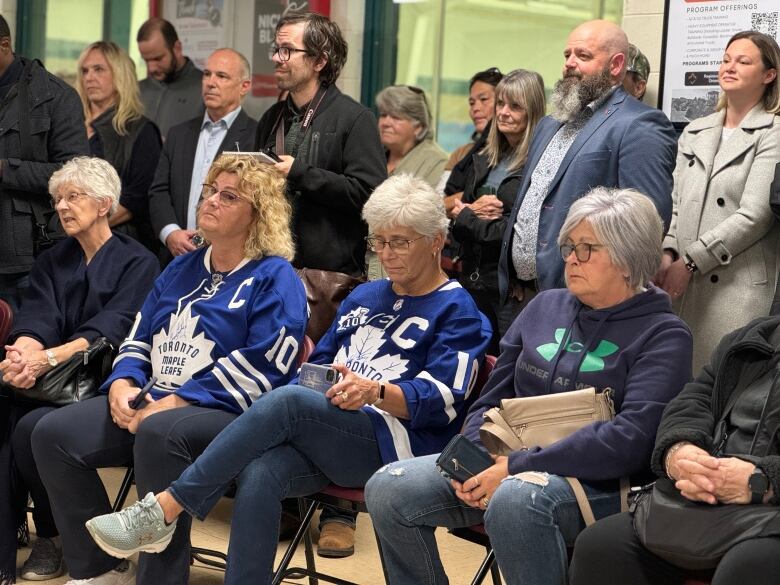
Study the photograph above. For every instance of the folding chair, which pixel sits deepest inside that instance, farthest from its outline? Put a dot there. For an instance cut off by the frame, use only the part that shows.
(347, 498)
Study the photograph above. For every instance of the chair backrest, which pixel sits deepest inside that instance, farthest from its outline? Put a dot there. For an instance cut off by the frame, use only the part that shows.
(306, 349)
(483, 375)
(6, 320)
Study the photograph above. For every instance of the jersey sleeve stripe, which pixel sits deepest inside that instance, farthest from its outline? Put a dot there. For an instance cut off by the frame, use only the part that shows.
(254, 372)
(246, 383)
(403, 446)
(446, 394)
(241, 399)
(130, 354)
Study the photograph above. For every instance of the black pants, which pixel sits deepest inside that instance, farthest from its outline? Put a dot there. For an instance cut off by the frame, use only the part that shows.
(72, 442)
(609, 553)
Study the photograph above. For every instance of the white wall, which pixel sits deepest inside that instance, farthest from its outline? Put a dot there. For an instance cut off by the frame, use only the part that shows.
(643, 21)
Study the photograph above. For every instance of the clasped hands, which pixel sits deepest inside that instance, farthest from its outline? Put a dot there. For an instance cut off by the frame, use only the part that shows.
(487, 207)
(23, 365)
(700, 477)
(122, 393)
(477, 491)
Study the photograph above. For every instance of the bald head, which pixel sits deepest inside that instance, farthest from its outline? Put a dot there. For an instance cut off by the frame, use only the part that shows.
(601, 42)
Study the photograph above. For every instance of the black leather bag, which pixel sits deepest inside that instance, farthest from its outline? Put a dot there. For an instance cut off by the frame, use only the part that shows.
(461, 459)
(693, 535)
(75, 379)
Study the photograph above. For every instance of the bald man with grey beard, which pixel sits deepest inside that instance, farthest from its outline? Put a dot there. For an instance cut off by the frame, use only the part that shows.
(596, 136)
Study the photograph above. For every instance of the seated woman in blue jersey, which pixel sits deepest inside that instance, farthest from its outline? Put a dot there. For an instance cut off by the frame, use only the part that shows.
(609, 328)
(408, 348)
(90, 285)
(222, 326)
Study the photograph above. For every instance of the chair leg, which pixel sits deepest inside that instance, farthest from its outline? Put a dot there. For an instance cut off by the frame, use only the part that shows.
(381, 558)
(288, 554)
(308, 545)
(124, 489)
(488, 566)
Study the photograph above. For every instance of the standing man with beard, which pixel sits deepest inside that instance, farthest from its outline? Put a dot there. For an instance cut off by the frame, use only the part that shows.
(596, 136)
(171, 92)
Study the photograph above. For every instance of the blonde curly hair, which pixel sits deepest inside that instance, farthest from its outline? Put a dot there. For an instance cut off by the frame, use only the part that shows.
(270, 234)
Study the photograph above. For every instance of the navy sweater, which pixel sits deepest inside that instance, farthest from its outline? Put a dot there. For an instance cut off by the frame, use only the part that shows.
(639, 348)
(69, 298)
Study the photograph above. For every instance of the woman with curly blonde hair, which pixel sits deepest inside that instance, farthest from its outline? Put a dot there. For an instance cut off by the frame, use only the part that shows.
(119, 133)
(222, 326)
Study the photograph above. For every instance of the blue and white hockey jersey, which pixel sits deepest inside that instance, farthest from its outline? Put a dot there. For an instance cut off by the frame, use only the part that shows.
(217, 340)
(430, 345)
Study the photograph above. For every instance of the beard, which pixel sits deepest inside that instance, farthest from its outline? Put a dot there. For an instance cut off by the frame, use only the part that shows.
(574, 91)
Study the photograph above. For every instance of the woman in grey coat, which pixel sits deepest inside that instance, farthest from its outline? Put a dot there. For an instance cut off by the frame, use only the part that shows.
(721, 252)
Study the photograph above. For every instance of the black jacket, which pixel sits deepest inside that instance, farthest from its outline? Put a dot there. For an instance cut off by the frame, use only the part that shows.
(740, 358)
(57, 134)
(343, 162)
(480, 240)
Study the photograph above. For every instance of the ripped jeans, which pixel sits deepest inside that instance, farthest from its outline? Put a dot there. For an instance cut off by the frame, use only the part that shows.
(529, 525)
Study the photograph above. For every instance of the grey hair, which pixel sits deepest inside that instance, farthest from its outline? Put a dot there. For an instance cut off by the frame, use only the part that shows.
(628, 225)
(406, 201)
(403, 102)
(96, 177)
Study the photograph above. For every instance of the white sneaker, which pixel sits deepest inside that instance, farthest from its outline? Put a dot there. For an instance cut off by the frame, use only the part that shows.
(124, 574)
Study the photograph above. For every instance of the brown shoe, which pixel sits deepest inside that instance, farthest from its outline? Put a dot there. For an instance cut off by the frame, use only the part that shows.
(337, 540)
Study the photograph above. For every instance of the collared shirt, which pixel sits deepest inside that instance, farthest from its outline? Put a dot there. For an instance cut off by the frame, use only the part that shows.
(526, 228)
(211, 136)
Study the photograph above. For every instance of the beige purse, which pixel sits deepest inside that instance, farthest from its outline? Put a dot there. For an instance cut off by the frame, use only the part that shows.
(522, 423)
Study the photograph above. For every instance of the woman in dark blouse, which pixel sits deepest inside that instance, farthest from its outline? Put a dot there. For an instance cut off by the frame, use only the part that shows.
(119, 133)
(89, 285)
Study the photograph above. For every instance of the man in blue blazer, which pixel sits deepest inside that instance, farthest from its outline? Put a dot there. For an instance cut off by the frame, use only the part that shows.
(597, 136)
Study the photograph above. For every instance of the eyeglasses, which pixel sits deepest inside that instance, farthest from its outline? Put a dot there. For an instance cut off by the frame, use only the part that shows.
(581, 251)
(284, 52)
(397, 245)
(226, 198)
(69, 198)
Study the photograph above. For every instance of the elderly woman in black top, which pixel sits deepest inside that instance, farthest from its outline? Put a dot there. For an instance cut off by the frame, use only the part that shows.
(89, 285)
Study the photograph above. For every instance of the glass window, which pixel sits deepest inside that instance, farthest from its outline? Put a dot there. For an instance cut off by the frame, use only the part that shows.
(442, 43)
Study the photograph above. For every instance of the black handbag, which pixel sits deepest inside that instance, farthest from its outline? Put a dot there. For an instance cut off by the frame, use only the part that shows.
(461, 459)
(77, 378)
(695, 535)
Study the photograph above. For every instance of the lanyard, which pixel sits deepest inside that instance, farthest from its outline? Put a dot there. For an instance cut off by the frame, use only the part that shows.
(311, 110)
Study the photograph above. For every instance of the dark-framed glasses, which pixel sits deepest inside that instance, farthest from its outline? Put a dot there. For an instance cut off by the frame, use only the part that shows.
(581, 251)
(284, 52)
(69, 198)
(397, 245)
(226, 198)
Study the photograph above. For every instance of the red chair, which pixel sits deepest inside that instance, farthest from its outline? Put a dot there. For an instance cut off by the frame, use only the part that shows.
(348, 499)
(6, 320)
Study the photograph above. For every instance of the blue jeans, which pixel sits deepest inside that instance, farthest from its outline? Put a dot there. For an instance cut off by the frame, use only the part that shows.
(529, 525)
(292, 442)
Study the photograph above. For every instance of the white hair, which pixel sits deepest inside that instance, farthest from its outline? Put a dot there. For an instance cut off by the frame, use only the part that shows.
(94, 176)
(628, 225)
(406, 201)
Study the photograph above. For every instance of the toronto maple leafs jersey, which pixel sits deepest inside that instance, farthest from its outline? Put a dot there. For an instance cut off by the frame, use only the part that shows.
(217, 340)
(430, 345)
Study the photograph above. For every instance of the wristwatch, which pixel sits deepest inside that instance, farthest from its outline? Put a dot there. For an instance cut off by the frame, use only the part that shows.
(50, 358)
(690, 265)
(758, 483)
(381, 395)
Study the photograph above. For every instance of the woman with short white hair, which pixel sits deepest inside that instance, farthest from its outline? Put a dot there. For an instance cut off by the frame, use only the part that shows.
(609, 328)
(407, 348)
(90, 285)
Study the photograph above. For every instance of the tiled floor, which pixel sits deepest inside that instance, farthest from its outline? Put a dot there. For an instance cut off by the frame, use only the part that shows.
(460, 558)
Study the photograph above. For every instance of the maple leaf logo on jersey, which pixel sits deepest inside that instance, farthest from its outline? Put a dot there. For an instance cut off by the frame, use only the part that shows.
(362, 356)
(178, 353)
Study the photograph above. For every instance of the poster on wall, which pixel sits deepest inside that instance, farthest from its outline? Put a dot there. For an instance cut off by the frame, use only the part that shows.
(267, 14)
(200, 26)
(695, 37)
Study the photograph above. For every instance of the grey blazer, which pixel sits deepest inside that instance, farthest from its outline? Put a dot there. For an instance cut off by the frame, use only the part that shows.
(721, 218)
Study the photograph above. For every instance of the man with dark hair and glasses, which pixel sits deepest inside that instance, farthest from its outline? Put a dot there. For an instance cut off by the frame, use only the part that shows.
(328, 144)
(332, 157)
(191, 147)
(41, 127)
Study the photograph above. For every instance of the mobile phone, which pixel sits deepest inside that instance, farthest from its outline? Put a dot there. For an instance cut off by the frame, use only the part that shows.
(140, 398)
(318, 377)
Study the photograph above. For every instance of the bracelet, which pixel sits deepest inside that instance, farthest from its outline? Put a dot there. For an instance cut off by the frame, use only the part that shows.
(690, 265)
(669, 453)
(380, 395)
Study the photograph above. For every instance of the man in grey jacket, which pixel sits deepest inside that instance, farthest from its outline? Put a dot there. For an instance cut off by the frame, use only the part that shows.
(41, 127)
(171, 91)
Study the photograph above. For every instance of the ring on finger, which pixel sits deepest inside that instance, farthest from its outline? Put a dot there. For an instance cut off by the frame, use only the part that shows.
(485, 501)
